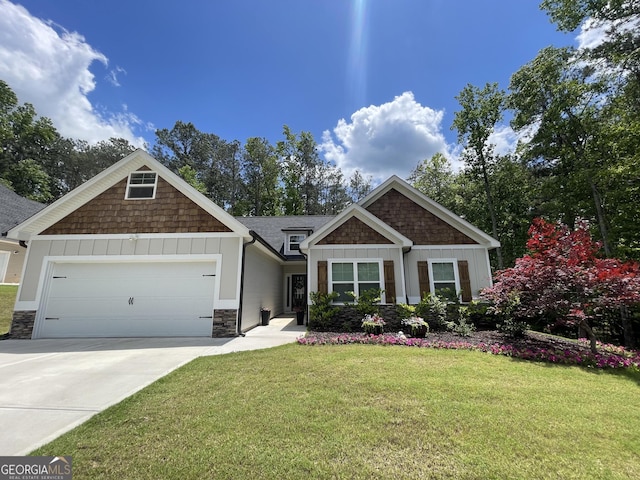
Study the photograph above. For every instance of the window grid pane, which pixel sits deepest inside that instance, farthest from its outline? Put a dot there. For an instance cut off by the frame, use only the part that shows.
(342, 272)
(342, 289)
(363, 287)
(368, 272)
(443, 272)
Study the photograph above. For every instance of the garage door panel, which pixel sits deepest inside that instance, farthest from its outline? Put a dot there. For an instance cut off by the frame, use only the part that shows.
(133, 326)
(129, 299)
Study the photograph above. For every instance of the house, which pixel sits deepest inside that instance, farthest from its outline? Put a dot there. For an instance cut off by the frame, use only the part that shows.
(136, 251)
(13, 210)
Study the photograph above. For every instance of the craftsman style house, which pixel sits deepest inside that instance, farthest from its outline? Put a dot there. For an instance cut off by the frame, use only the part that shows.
(136, 251)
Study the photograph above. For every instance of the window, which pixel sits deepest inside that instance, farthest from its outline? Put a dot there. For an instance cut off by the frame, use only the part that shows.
(356, 277)
(444, 278)
(141, 185)
(293, 243)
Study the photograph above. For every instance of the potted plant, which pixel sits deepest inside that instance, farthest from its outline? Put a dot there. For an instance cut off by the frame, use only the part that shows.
(417, 326)
(373, 324)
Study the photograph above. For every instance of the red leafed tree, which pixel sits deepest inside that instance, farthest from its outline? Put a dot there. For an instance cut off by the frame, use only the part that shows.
(563, 279)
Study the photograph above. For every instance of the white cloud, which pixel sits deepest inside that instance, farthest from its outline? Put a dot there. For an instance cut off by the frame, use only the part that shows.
(504, 139)
(384, 140)
(48, 67)
(591, 34)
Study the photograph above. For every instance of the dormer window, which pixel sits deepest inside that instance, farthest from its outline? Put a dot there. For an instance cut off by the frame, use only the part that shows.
(293, 243)
(141, 185)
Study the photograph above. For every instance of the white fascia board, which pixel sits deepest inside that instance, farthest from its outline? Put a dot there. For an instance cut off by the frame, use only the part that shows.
(105, 180)
(431, 206)
(364, 216)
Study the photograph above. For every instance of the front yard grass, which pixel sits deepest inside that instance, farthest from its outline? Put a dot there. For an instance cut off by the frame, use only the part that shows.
(366, 411)
(7, 301)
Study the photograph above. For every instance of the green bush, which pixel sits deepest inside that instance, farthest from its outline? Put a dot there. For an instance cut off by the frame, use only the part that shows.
(368, 302)
(460, 323)
(322, 311)
(434, 311)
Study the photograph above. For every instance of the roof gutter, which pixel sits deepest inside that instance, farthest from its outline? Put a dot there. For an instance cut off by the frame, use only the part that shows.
(244, 254)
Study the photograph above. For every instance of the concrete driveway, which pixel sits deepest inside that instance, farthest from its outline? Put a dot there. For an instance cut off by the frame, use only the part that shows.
(47, 387)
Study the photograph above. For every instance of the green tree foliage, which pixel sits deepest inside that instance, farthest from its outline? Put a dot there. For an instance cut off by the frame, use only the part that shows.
(300, 165)
(435, 178)
(481, 110)
(260, 167)
(217, 163)
(359, 186)
(82, 160)
(311, 186)
(28, 178)
(26, 143)
(189, 175)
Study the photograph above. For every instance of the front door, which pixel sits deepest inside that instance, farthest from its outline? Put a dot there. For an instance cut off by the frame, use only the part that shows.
(298, 291)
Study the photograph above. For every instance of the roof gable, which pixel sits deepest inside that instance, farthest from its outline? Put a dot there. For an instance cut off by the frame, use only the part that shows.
(75, 205)
(355, 226)
(421, 219)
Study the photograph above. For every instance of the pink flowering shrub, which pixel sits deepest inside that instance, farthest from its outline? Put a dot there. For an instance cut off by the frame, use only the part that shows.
(608, 356)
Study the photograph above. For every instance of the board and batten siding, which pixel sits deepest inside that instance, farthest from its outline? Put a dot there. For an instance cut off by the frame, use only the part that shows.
(479, 268)
(229, 246)
(368, 252)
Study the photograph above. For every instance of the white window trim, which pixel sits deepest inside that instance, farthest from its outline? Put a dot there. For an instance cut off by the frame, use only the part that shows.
(287, 245)
(355, 261)
(129, 186)
(456, 274)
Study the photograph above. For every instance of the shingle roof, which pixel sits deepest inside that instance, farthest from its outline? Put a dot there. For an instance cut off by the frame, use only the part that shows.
(272, 229)
(15, 209)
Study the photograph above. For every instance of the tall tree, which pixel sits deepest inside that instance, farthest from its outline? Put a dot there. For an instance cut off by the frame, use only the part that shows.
(481, 110)
(359, 186)
(300, 165)
(434, 177)
(27, 143)
(558, 103)
(333, 191)
(216, 162)
(260, 169)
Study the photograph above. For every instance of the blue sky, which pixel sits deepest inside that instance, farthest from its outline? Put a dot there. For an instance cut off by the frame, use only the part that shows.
(374, 81)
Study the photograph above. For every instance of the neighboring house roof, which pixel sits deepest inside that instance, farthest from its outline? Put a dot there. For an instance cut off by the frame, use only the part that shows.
(273, 229)
(15, 209)
(105, 180)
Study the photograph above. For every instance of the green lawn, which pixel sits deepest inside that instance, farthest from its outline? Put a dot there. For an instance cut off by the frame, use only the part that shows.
(361, 412)
(7, 300)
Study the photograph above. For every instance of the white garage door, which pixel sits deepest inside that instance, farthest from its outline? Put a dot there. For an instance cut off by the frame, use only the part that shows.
(163, 299)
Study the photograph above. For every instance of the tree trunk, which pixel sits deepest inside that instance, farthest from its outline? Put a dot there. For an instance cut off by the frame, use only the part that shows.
(492, 212)
(627, 328)
(600, 215)
(592, 336)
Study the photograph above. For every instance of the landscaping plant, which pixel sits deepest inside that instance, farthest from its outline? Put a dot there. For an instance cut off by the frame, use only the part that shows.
(564, 280)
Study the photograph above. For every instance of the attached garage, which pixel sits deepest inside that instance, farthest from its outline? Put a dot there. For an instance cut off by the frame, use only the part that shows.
(127, 299)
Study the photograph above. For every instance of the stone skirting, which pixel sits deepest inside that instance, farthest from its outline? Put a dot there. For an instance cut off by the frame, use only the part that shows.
(347, 319)
(22, 324)
(224, 323)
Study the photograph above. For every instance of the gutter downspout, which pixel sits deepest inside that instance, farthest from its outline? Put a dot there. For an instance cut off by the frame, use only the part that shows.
(244, 249)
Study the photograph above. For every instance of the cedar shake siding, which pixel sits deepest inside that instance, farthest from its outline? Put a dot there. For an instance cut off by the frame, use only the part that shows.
(414, 222)
(354, 232)
(109, 213)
